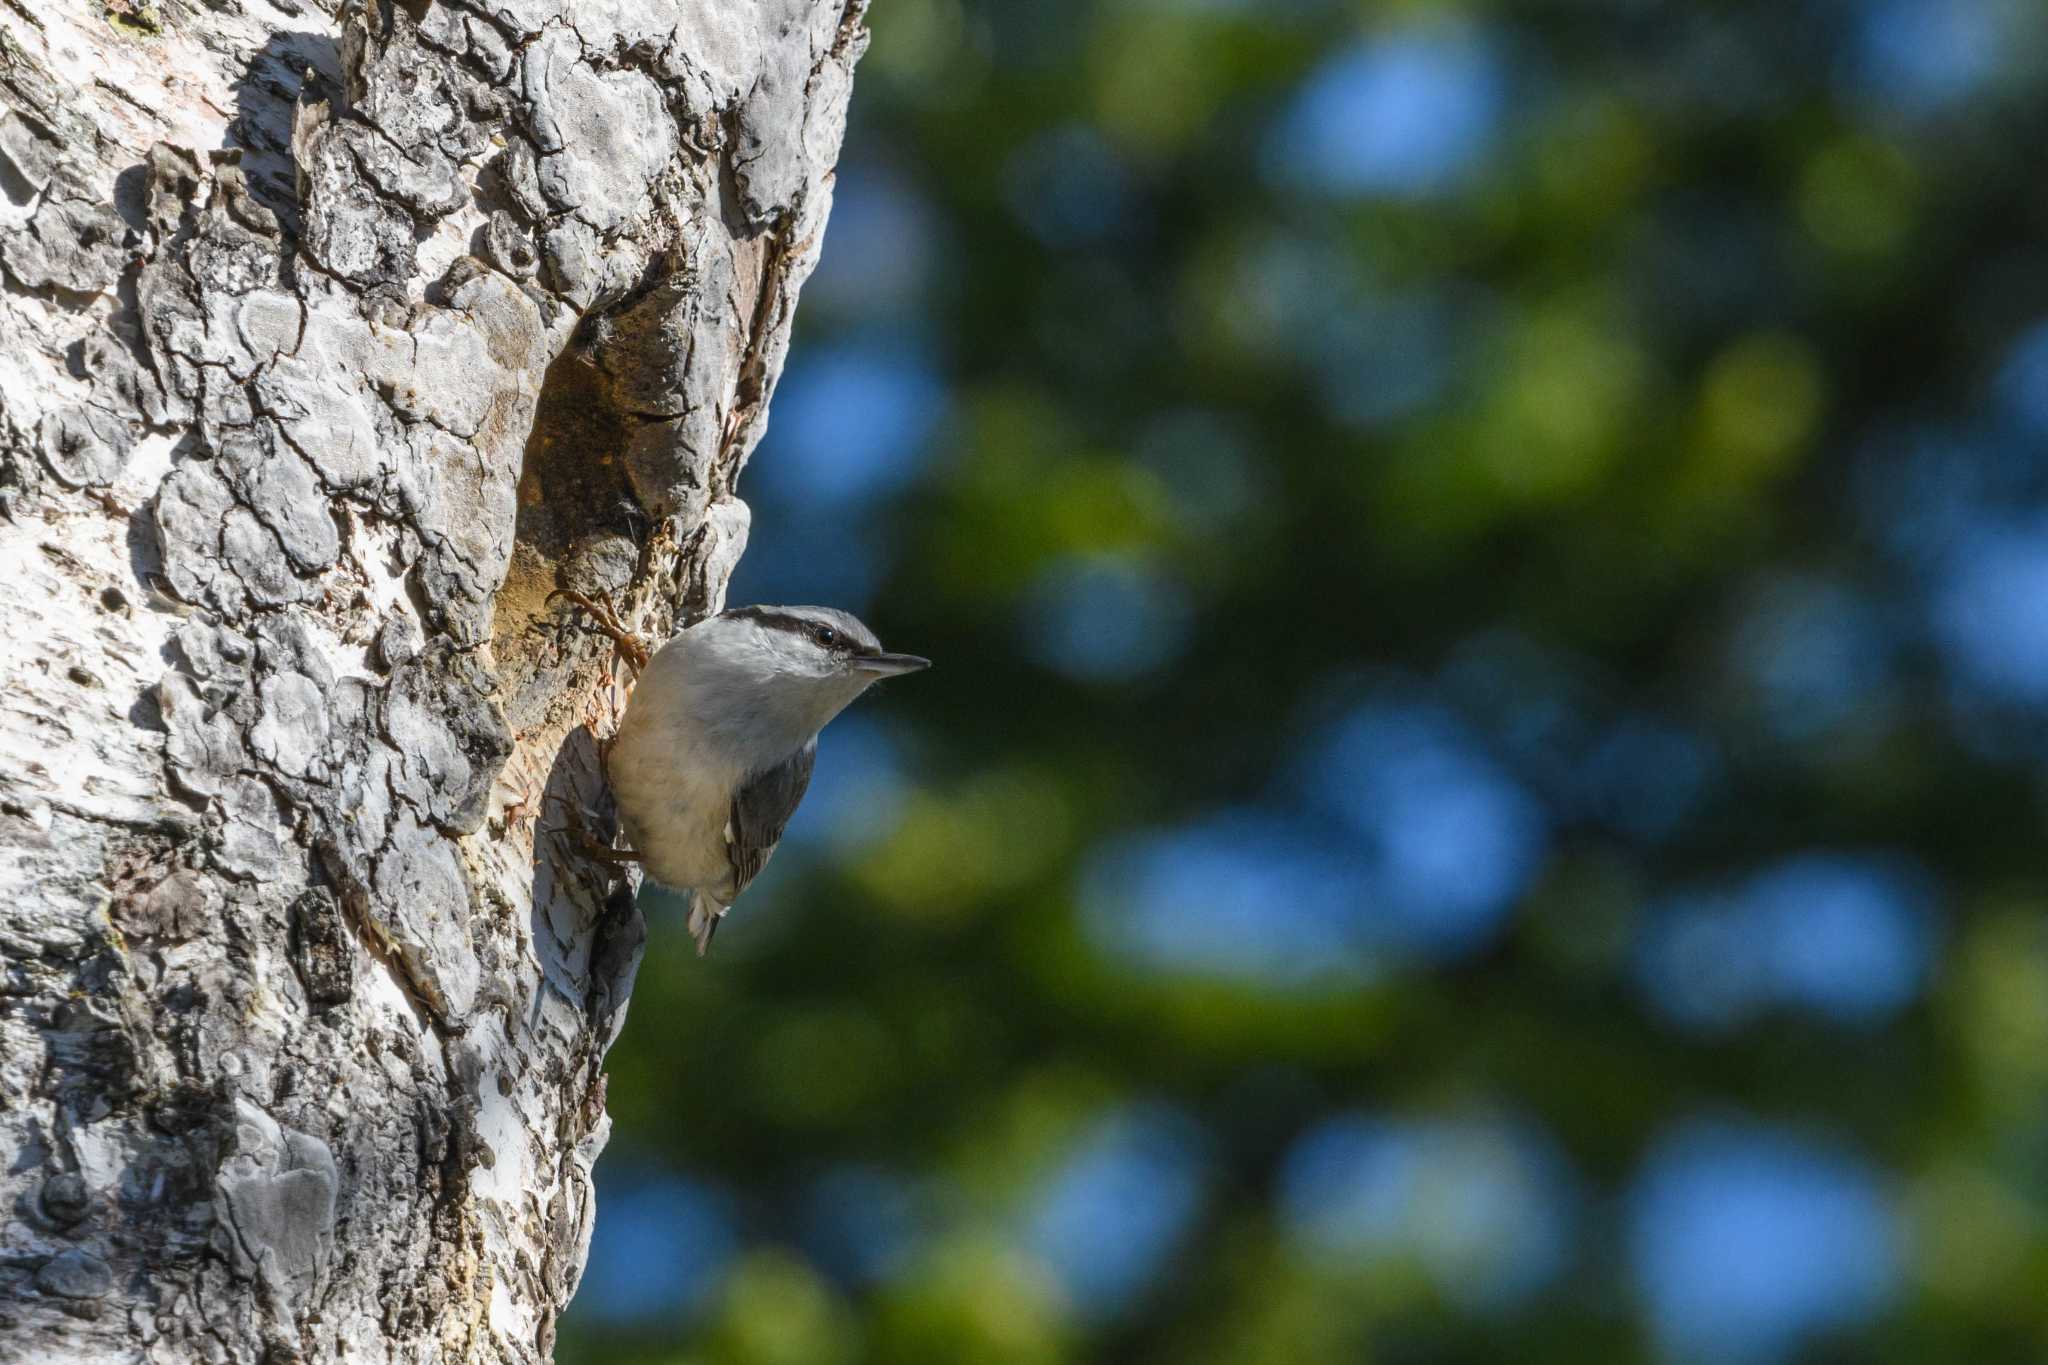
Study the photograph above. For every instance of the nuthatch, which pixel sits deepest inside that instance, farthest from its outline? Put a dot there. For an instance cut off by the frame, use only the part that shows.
(718, 740)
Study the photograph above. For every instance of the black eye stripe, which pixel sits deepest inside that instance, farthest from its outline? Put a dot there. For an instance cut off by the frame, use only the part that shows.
(843, 640)
(772, 620)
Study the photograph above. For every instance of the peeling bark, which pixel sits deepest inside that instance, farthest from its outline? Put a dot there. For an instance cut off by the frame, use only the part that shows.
(330, 344)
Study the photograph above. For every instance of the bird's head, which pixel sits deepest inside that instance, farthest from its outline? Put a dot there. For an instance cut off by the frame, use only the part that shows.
(804, 663)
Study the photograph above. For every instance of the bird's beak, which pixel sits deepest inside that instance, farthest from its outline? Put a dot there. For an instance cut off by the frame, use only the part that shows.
(889, 665)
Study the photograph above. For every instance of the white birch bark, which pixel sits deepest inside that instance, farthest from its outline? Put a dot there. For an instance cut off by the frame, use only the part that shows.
(330, 344)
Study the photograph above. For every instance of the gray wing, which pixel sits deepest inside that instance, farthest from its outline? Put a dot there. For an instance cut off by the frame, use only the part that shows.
(760, 812)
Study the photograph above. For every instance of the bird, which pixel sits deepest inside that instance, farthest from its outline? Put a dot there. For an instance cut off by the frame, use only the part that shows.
(720, 735)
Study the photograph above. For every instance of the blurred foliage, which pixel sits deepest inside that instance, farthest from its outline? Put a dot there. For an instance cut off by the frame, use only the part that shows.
(1483, 793)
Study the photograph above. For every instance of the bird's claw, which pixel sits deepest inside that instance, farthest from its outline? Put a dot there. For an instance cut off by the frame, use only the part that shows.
(578, 830)
(607, 620)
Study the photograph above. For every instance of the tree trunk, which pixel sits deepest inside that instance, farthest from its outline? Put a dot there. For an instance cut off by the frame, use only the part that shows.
(331, 344)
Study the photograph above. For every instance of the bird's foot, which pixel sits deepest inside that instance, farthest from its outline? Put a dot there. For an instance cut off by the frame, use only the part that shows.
(607, 621)
(577, 827)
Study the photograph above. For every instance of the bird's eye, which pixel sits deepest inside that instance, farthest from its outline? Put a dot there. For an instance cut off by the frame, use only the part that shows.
(825, 636)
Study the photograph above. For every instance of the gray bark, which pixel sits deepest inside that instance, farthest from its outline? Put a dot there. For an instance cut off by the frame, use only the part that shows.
(330, 344)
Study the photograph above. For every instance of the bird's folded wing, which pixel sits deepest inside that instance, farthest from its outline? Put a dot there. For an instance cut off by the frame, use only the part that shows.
(761, 807)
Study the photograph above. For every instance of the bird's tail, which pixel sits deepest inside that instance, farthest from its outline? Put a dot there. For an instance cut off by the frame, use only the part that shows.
(705, 914)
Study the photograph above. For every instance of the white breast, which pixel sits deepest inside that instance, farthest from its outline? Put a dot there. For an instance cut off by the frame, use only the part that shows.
(674, 780)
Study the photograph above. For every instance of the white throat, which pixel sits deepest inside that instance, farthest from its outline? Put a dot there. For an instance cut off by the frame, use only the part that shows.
(759, 694)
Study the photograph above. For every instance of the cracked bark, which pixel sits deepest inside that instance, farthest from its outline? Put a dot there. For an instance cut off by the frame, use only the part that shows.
(331, 342)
